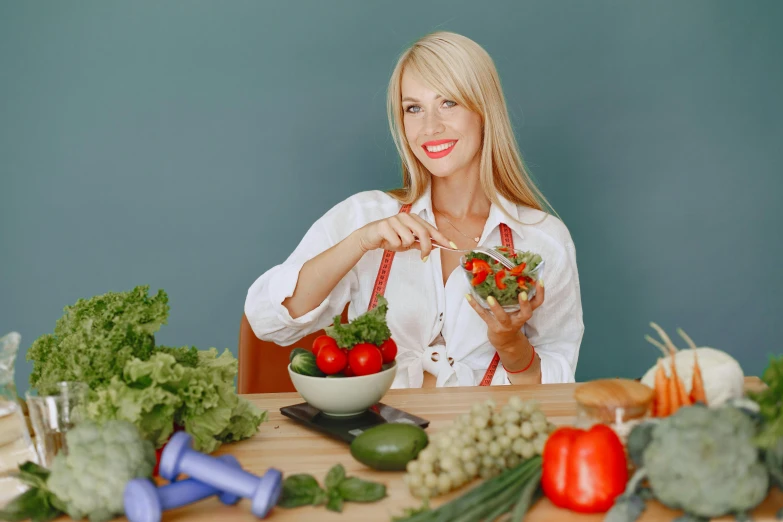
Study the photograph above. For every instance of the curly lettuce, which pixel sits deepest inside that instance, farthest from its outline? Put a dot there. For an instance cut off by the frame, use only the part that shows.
(370, 327)
(108, 343)
(159, 394)
(96, 337)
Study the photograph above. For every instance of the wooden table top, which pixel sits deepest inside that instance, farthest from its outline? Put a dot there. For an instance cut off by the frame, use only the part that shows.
(283, 444)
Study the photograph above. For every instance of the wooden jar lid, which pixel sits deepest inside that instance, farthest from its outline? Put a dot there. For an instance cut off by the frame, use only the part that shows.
(600, 399)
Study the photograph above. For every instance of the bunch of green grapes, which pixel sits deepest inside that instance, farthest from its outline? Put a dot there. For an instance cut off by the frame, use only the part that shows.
(481, 443)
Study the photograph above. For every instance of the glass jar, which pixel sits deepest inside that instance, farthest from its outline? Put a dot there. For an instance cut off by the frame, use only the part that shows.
(16, 446)
(618, 403)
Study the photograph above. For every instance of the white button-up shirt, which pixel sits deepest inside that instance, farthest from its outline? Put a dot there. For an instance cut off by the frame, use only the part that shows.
(425, 316)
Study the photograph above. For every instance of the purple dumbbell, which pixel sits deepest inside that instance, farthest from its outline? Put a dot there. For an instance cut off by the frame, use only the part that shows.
(146, 503)
(178, 457)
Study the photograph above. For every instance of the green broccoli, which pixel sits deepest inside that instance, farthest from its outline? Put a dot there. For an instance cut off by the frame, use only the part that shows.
(101, 459)
(703, 461)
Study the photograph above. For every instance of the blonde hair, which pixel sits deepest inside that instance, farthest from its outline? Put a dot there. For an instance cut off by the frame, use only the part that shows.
(459, 69)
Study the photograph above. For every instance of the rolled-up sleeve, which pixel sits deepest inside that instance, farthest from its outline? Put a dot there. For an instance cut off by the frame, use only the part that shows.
(557, 326)
(268, 318)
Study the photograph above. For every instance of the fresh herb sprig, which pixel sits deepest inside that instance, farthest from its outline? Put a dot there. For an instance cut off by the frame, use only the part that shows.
(303, 489)
(770, 401)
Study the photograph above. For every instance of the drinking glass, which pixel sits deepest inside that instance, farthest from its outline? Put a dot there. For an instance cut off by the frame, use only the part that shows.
(53, 411)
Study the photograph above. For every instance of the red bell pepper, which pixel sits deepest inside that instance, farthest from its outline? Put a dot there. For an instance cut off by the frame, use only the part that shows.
(479, 278)
(518, 269)
(469, 265)
(479, 265)
(584, 470)
(499, 275)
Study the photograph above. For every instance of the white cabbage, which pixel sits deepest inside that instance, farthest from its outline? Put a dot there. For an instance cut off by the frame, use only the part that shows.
(723, 377)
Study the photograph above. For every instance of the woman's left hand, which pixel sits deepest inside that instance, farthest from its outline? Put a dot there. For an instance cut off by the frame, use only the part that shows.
(503, 328)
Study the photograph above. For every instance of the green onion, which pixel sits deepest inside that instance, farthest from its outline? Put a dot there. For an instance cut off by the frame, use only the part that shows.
(514, 487)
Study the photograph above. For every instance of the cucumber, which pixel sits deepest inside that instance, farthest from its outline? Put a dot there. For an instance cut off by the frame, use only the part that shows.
(295, 352)
(303, 362)
(389, 447)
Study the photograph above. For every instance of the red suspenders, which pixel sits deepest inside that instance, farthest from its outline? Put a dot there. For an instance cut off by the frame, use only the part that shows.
(383, 277)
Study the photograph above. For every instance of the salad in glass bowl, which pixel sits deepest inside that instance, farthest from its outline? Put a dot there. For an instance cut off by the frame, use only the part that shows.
(487, 277)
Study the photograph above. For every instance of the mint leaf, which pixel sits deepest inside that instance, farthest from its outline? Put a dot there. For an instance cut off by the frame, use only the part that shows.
(354, 489)
(334, 477)
(300, 490)
(34, 504)
(32, 474)
(335, 501)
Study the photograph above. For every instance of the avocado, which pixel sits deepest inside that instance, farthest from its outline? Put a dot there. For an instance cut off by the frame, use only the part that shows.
(390, 446)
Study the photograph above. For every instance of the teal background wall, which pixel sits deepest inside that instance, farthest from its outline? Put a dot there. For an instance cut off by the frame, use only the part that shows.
(189, 144)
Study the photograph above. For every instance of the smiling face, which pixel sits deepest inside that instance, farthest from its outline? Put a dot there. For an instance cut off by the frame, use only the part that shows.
(444, 136)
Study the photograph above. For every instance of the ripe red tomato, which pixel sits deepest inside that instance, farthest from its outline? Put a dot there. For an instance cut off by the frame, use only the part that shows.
(331, 359)
(365, 359)
(321, 341)
(348, 372)
(388, 350)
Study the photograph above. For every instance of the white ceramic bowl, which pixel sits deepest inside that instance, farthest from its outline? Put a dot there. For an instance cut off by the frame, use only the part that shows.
(344, 396)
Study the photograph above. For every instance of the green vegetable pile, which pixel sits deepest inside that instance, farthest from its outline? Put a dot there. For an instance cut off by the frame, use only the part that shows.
(701, 460)
(370, 327)
(507, 286)
(303, 490)
(770, 401)
(108, 343)
(90, 480)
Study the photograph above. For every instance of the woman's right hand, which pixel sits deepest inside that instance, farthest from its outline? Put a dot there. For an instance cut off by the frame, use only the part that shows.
(398, 233)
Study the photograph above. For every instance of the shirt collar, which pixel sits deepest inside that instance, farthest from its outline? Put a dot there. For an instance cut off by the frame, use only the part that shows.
(423, 208)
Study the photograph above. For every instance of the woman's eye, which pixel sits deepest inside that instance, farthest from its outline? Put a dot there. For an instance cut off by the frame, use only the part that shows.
(413, 109)
(449, 104)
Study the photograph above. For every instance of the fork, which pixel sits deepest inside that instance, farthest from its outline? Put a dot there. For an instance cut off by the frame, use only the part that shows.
(491, 252)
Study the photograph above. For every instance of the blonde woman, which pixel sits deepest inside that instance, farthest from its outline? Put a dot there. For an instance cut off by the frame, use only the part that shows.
(463, 182)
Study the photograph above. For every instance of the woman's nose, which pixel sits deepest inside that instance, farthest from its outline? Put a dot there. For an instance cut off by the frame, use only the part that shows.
(432, 123)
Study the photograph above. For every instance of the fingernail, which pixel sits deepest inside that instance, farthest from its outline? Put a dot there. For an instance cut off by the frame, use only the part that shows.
(523, 296)
(467, 296)
(541, 282)
(424, 259)
(452, 245)
(491, 301)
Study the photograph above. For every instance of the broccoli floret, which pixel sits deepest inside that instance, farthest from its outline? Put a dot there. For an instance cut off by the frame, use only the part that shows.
(703, 461)
(101, 459)
(638, 440)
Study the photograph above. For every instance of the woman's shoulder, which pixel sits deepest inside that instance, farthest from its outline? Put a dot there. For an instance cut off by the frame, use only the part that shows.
(368, 205)
(543, 223)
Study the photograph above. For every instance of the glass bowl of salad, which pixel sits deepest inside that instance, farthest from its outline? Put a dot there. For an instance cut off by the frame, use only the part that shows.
(486, 277)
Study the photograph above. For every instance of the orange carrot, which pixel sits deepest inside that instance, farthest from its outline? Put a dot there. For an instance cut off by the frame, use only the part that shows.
(697, 388)
(673, 392)
(682, 395)
(661, 403)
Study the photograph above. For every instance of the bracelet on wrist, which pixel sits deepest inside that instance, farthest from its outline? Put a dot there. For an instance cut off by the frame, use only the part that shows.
(532, 358)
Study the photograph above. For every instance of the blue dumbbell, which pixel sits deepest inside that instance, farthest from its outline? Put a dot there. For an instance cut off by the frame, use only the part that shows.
(146, 503)
(178, 457)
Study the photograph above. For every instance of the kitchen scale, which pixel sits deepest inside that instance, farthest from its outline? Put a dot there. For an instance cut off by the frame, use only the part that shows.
(348, 428)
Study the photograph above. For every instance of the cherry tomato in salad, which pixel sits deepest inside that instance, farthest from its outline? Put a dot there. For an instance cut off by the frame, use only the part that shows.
(331, 359)
(388, 350)
(365, 359)
(321, 341)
